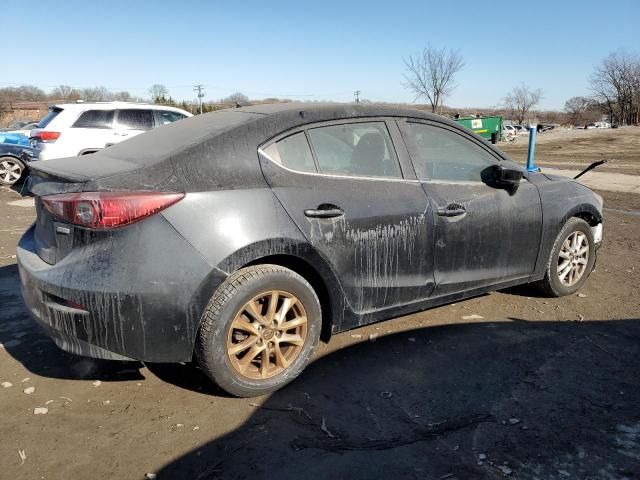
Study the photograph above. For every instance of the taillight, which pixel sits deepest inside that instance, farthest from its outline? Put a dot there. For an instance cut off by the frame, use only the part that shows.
(107, 209)
(46, 136)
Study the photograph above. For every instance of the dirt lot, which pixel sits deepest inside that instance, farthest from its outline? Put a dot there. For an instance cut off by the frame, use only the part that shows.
(506, 385)
(575, 149)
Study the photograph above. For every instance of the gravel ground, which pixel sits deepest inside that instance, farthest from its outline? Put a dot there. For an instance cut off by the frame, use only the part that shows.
(575, 149)
(505, 385)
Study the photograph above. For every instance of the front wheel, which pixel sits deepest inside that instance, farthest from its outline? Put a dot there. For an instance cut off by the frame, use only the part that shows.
(259, 330)
(11, 170)
(572, 259)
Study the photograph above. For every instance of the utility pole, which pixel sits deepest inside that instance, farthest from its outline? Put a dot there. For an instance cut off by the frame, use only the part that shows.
(357, 95)
(200, 90)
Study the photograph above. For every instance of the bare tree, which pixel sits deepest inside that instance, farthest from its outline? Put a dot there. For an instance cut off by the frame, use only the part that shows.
(616, 83)
(65, 92)
(582, 110)
(95, 94)
(238, 99)
(30, 93)
(123, 96)
(431, 74)
(521, 100)
(158, 91)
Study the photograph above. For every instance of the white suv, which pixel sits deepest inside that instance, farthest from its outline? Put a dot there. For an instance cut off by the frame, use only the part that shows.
(71, 129)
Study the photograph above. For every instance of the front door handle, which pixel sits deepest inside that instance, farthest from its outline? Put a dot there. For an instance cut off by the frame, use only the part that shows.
(324, 211)
(452, 210)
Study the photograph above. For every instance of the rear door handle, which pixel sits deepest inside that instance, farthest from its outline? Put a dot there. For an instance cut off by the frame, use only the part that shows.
(331, 211)
(452, 210)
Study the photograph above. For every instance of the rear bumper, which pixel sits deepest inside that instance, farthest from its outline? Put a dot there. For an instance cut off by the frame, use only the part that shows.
(137, 294)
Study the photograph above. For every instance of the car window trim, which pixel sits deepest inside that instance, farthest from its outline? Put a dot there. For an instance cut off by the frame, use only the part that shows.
(331, 175)
(328, 123)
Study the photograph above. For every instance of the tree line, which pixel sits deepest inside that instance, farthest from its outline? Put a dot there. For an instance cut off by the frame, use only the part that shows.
(11, 97)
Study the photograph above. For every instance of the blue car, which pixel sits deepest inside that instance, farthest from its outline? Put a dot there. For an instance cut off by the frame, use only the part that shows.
(14, 161)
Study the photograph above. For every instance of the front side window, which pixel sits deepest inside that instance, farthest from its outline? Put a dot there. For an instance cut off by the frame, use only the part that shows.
(361, 149)
(135, 119)
(292, 152)
(440, 154)
(167, 117)
(95, 119)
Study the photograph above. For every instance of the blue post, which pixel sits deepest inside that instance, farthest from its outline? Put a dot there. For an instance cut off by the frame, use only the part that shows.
(531, 165)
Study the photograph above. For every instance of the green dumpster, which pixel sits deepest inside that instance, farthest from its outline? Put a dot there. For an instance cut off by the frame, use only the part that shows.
(483, 126)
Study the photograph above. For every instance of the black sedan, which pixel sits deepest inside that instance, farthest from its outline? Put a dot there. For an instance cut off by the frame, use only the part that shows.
(14, 162)
(242, 237)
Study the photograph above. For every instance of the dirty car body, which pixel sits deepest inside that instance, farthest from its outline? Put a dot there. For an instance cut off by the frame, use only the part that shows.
(373, 244)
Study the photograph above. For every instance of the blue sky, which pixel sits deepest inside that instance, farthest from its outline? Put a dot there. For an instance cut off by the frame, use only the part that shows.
(322, 50)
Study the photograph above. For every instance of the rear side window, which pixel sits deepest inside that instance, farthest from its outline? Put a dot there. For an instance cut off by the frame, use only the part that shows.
(362, 149)
(167, 117)
(292, 152)
(53, 113)
(95, 119)
(135, 119)
(440, 154)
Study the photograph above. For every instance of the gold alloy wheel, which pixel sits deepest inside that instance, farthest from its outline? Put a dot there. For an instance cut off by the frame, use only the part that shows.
(267, 334)
(573, 259)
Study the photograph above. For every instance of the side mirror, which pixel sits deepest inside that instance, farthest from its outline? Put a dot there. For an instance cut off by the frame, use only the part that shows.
(508, 177)
(502, 176)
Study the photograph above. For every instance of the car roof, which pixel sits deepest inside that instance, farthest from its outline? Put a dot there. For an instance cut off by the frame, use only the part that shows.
(81, 106)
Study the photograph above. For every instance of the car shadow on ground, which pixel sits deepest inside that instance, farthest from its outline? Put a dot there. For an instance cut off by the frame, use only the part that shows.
(25, 341)
(465, 401)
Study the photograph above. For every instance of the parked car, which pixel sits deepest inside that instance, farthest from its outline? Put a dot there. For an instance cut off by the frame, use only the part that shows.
(509, 132)
(14, 160)
(72, 129)
(521, 129)
(17, 125)
(240, 237)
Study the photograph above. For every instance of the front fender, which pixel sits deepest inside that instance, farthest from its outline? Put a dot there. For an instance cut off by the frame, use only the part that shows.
(562, 198)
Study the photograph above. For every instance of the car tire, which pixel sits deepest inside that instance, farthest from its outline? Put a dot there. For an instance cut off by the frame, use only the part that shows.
(11, 170)
(244, 328)
(562, 278)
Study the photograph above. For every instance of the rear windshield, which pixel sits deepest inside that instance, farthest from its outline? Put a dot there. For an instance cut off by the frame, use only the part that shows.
(53, 113)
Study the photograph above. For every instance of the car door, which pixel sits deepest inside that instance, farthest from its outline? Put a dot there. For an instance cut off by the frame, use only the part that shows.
(131, 122)
(484, 235)
(343, 186)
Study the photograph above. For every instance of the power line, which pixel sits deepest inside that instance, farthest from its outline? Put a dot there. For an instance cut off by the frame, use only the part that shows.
(357, 95)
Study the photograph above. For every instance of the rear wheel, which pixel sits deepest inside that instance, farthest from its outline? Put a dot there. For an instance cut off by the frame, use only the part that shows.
(259, 330)
(572, 259)
(11, 170)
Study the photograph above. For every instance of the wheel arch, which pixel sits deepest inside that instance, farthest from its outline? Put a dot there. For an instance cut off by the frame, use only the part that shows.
(586, 212)
(317, 280)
